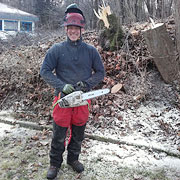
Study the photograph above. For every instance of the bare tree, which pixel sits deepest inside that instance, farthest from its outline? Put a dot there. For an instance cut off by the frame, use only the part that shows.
(127, 11)
(177, 20)
(95, 6)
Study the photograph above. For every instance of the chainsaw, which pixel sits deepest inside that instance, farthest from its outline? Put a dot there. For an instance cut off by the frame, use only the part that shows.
(79, 98)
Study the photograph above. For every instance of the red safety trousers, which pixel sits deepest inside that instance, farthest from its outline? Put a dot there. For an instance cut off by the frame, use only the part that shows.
(73, 119)
(64, 117)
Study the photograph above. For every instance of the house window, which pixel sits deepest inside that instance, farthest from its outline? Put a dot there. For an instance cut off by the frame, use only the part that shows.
(26, 26)
(0, 25)
(10, 25)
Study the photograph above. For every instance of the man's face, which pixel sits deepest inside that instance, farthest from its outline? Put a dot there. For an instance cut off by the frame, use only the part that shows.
(73, 32)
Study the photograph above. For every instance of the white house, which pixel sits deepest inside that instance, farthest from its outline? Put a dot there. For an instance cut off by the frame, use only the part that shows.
(12, 19)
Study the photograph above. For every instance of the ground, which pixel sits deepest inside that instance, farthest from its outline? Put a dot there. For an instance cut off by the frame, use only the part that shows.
(145, 147)
(133, 134)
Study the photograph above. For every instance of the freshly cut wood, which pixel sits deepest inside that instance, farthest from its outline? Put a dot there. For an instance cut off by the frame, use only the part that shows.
(116, 88)
(163, 51)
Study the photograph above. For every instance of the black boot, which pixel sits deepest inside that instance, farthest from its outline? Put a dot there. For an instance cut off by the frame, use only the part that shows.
(52, 172)
(77, 166)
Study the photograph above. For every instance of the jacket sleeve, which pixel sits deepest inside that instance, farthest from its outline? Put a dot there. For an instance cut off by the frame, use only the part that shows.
(98, 70)
(48, 66)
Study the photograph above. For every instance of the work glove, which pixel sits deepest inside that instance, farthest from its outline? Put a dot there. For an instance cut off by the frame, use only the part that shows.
(81, 86)
(68, 88)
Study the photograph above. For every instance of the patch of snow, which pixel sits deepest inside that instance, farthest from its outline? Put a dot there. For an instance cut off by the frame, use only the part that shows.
(4, 129)
(104, 160)
(15, 130)
(103, 156)
(4, 35)
(143, 126)
(7, 114)
(8, 9)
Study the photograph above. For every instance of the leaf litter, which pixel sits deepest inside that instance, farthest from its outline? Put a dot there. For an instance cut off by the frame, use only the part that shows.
(143, 111)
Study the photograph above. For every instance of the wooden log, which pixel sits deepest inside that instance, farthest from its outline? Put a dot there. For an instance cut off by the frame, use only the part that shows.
(163, 51)
(35, 126)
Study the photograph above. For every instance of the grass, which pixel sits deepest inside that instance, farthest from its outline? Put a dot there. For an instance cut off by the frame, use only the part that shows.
(21, 160)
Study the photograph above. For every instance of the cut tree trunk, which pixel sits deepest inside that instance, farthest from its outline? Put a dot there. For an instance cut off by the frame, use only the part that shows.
(112, 38)
(163, 51)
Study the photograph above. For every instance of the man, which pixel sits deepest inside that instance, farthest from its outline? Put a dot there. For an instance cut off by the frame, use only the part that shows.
(76, 64)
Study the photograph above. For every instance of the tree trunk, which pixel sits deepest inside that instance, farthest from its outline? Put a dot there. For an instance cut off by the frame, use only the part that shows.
(111, 38)
(159, 9)
(95, 6)
(119, 11)
(149, 7)
(169, 8)
(177, 21)
(163, 51)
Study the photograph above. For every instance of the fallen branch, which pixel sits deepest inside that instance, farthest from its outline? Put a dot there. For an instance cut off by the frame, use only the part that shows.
(35, 126)
(25, 124)
(4, 100)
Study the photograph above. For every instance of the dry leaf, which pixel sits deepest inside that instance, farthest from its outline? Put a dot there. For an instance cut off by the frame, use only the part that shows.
(44, 143)
(116, 88)
(35, 138)
(134, 33)
(138, 97)
(29, 71)
(109, 53)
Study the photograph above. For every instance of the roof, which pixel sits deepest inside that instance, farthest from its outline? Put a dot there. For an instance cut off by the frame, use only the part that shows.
(8, 12)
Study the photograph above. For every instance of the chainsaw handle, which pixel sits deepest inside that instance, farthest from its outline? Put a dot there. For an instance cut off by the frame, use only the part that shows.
(80, 86)
(76, 87)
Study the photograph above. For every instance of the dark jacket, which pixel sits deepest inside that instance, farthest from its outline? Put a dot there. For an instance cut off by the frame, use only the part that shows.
(72, 62)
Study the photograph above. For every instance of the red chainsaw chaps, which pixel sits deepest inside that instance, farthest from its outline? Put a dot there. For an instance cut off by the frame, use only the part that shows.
(64, 117)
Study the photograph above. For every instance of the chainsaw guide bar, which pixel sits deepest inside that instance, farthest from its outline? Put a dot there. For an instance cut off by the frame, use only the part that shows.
(78, 98)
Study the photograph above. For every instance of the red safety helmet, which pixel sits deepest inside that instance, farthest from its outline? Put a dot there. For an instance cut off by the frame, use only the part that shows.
(74, 19)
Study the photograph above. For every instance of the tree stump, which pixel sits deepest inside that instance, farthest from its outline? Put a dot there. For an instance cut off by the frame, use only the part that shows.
(112, 38)
(163, 51)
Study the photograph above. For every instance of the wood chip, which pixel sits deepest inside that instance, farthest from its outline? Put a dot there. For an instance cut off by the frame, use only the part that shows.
(116, 88)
